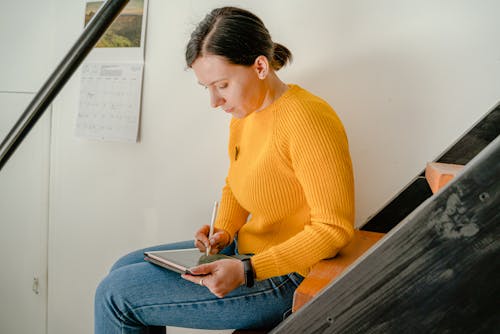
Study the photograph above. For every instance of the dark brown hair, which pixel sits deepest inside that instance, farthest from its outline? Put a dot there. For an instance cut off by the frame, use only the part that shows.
(237, 35)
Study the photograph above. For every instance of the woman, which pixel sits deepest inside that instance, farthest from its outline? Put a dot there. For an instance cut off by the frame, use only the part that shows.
(288, 199)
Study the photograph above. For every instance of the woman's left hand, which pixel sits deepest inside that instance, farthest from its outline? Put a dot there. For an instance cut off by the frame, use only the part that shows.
(220, 277)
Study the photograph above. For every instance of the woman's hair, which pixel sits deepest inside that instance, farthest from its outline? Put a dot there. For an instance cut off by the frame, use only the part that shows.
(237, 35)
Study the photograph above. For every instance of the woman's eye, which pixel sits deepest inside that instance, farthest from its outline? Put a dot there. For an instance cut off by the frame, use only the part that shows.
(222, 86)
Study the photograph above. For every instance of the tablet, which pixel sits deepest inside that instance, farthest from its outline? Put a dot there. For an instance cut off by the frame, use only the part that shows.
(178, 260)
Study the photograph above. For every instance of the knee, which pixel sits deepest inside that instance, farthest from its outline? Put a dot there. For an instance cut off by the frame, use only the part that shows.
(103, 294)
(131, 258)
(109, 303)
(109, 294)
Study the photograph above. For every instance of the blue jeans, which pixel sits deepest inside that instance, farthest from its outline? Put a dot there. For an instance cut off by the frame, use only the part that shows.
(137, 294)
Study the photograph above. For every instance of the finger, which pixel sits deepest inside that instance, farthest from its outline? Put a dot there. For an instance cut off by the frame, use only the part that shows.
(216, 248)
(200, 245)
(218, 241)
(216, 238)
(193, 279)
(201, 239)
(204, 230)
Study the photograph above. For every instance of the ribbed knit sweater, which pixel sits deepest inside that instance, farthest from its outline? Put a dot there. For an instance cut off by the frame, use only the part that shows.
(289, 193)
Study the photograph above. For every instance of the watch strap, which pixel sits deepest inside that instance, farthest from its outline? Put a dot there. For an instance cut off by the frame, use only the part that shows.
(249, 273)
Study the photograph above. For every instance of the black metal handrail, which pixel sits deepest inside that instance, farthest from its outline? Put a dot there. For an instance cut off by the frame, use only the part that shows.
(63, 72)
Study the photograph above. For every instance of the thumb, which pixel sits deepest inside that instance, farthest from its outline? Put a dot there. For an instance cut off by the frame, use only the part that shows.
(203, 269)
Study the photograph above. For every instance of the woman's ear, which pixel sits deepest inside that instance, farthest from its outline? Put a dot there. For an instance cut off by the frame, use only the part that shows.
(261, 66)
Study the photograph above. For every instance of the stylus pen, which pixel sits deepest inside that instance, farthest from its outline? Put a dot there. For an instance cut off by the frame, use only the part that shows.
(212, 222)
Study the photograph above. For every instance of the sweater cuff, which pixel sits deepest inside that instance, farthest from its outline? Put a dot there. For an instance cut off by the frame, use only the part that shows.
(264, 266)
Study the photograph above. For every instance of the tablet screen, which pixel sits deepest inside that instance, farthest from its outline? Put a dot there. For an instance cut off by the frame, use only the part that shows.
(180, 260)
(186, 258)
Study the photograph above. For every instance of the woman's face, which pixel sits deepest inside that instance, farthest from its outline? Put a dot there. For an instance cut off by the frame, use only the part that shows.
(237, 89)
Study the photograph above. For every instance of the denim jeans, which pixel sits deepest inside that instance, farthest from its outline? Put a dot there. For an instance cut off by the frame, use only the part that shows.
(137, 294)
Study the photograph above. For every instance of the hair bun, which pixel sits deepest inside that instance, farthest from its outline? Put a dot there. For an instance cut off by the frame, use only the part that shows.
(281, 56)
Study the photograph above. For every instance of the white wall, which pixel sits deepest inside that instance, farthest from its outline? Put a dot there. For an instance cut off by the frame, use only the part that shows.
(406, 77)
(26, 39)
(24, 189)
(26, 33)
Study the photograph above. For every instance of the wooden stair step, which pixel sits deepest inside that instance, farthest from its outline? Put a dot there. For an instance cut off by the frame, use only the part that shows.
(327, 270)
(439, 174)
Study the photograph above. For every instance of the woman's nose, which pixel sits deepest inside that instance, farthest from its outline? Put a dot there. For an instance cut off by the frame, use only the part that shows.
(216, 100)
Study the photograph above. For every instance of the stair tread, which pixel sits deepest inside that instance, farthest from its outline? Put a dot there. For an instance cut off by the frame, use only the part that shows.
(439, 174)
(327, 270)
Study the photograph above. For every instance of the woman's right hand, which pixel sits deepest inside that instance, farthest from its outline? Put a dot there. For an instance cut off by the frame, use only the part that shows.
(219, 240)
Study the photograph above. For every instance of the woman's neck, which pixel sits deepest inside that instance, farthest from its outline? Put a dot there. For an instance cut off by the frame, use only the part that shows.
(274, 88)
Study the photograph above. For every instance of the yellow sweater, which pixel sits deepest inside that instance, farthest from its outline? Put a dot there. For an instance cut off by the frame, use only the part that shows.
(289, 193)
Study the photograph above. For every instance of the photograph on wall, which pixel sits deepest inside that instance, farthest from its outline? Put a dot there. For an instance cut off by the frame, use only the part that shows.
(127, 31)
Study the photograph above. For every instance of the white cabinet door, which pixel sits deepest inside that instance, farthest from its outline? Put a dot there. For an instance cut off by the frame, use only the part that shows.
(23, 223)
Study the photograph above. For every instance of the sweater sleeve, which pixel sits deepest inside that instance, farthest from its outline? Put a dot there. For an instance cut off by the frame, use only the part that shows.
(314, 144)
(231, 216)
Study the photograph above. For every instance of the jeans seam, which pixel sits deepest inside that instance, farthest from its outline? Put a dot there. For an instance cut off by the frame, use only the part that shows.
(207, 301)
